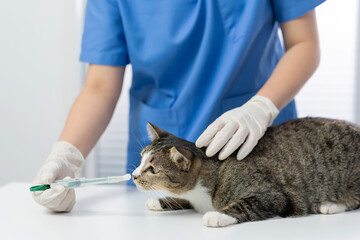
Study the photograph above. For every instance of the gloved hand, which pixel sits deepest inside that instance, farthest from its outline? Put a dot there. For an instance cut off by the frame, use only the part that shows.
(246, 123)
(65, 160)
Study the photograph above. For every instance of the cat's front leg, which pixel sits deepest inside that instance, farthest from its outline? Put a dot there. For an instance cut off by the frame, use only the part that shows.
(167, 204)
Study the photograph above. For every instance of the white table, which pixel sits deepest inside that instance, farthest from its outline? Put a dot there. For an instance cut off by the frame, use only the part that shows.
(118, 212)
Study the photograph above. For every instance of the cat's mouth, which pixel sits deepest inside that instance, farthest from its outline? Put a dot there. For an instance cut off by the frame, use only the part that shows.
(145, 186)
(142, 185)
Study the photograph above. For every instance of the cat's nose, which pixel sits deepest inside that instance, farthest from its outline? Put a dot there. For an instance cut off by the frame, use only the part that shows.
(135, 176)
(136, 173)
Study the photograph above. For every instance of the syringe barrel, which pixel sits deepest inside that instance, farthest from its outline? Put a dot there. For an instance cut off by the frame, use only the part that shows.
(71, 183)
(78, 182)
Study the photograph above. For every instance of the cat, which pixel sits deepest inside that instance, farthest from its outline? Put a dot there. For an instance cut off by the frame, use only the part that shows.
(304, 166)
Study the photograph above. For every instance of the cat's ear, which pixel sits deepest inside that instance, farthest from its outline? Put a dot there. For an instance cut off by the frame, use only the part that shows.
(155, 132)
(181, 157)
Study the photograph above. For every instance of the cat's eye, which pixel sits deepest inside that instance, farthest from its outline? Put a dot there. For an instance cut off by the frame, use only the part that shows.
(156, 170)
(152, 170)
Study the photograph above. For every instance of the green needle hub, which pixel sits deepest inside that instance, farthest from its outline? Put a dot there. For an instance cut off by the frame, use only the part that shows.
(39, 188)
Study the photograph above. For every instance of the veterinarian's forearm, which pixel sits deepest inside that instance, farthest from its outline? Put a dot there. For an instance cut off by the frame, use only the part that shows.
(298, 63)
(93, 108)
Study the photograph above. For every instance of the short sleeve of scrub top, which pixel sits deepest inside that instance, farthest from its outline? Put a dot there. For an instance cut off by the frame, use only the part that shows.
(287, 10)
(103, 39)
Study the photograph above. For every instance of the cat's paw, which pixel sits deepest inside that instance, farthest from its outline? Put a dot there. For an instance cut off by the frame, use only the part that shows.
(216, 219)
(153, 204)
(331, 208)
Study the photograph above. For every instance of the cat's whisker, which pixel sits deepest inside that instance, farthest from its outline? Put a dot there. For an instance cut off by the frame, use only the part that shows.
(163, 196)
(133, 167)
(174, 201)
(177, 203)
(156, 190)
(168, 203)
(160, 195)
(137, 140)
(153, 192)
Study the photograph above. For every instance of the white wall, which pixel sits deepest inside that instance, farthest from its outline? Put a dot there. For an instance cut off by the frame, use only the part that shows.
(39, 78)
(331, 91)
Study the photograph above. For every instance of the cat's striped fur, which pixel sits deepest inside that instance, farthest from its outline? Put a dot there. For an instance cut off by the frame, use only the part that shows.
(304, 166)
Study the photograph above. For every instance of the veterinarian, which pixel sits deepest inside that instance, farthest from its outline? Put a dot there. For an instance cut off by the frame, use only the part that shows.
(217, 65)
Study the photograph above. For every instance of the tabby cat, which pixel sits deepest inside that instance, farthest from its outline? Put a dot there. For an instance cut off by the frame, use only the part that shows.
(304, 166)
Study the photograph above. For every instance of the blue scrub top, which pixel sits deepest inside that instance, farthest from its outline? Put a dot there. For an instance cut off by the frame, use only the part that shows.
(192, 60)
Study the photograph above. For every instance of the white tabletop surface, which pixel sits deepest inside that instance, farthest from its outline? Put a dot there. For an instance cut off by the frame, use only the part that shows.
(118, 212)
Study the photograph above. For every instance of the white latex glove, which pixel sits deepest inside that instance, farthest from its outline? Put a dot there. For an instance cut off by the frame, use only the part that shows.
(64, 161)
(244, 126)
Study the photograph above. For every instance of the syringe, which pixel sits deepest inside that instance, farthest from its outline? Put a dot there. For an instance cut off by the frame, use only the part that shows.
(80, 182)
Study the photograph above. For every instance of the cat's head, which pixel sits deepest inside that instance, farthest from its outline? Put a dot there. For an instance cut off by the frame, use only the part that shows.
(168, 164)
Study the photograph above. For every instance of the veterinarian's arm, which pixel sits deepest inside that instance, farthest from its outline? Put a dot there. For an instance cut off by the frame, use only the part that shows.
(93, 108)
(300, 61)
(245, 125)
(88, 118)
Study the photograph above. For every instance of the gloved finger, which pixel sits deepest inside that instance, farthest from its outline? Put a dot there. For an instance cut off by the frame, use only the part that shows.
(52, 196)
(59, 168)
(67, 203)
(256, 126)
(47, 174)
(71, 206)
(247, 147)
(209, 133)
(59, 189)
(57, 201)
(61, 202)
(221, 138)
(234, 143)
(67, 178)
(48, 177)
(36, 195)
(251, 140)
(44, 177)
(43, 197)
